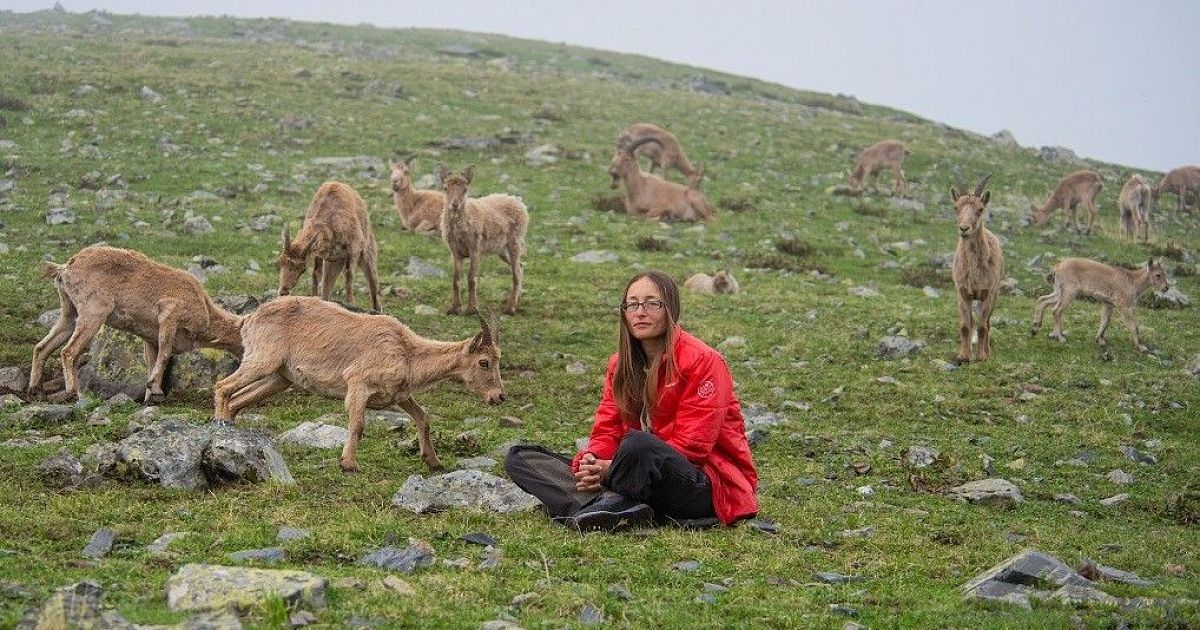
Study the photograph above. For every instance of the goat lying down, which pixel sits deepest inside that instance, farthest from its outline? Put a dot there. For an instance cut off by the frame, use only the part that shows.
(370, 361)
(123, 289)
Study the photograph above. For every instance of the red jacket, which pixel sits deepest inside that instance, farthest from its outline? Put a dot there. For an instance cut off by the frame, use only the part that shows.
(699, 415)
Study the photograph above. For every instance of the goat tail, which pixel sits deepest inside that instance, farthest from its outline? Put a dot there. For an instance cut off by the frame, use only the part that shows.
(52, 270)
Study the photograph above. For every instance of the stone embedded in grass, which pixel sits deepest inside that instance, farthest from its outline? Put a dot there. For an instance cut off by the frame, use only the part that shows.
(1171, 298)
(100, 544)
(480, 538)
(315, 434)
(1068, 498)
(995, 491)
(686, 566)
(161, 543)
(62, 470)
(416, 556)
(1134, 455)
(420, 269)
(863, 292)
(46, 414)
(1120, 477)
(398, 586)
(462, 489)
(833, 577)
(578, 367)
(269, 554)
(291, 533)
(13, 379)
(920, 456)
(59, 216)
(595, 256)
(148, 95)
(208, 587)
(1114, 500)
(862, 532)
(620, 591)
(197, 225)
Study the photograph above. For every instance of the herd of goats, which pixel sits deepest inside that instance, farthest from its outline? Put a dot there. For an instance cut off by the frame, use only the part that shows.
(373, 361)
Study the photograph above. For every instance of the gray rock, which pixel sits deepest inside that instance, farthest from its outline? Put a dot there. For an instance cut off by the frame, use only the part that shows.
(62, 470)
(416, 556)
(1014, 580)
(144, 417)
(477, 463)
(1005, 138)
(1171, 298)
(13, 379)
(1058, 155)
(864, 292)
(832, 577)
(701, 83)
(48, 318)
(46, 414)
(418, 268)
(931, 292)
(595, 256)
(1124, 577)
(862, 532)
(686, 566)
(74, 606)
(1193, 366)
(315, 434)
(197, 225)
(207, 587)
(352, 163)
(426, 310)
(1068, 498)
(1076, 595)
(1134, 455)
(462, 489)
(161, 543)
(269, 555)
(59, 216)
(148, 95)
(1120, 477)
(906, 204)
(542, 155)
(291, 533)
(577, 367)
(920, 456)
(732, 343)
(236, 455)
(897, 346)
(100, 544)
(499, 624)
(11, 401)
(1114, 500)
(116, 357)
(995, 491)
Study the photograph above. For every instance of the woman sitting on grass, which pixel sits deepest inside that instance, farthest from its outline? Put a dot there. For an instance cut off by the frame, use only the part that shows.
(668, 443)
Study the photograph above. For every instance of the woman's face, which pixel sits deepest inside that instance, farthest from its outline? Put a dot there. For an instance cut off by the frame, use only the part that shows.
(645, 321)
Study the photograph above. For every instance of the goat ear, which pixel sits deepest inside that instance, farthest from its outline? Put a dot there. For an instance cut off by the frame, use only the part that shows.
(469, 173)
(954, 194)
(287, 238)
(987, 195)
(442, 173)
(476, 343)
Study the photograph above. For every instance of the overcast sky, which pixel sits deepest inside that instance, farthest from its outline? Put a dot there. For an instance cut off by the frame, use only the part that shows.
(1115, 81)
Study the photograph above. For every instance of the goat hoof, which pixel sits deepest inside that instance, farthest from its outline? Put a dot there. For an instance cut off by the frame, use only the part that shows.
(961, 360)
(453, 310)
(510, 311)
(350, 468)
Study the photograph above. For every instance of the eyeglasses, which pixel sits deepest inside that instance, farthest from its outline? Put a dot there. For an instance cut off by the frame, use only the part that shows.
(649, 305)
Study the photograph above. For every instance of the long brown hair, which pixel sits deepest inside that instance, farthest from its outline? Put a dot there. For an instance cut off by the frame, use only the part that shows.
(636, 379)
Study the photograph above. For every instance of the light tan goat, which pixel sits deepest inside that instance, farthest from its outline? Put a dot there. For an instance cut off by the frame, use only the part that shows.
(1080, 187)
(1135, 207)
(1180, 181)
(874, 159)
(336, 237)
(370, 361)
(420, 210)
(653, 197)
(1111, 286)
(473, 228)
(664, 155)
(978, 269)
(721, 282)
(123, 289)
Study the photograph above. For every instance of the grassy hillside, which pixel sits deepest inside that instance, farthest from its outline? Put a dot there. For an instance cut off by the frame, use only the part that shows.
(246, 105)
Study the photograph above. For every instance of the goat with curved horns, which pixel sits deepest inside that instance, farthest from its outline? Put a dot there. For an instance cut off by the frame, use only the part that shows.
(653, 197)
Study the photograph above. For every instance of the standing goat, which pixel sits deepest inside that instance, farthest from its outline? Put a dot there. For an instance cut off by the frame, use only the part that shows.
(1111, 286)
(337, 237)
(420, 210)
(1181, 181)
(167, 308)
(473, 228)
(651, 196)
(370, 361)
(978, 269)
(1080, 187)
(874, 159)
(1135, 207)
(664, 155)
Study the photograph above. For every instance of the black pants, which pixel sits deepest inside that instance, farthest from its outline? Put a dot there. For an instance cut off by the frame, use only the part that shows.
(644, 469)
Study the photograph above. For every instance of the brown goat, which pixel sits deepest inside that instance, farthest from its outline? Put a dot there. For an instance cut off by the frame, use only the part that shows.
(336, 237)
(473, 228)
(1135, 207)
(1080, 187)
(653, 197)
(1180, 181)
(874, 159)
(370, 361)
(721, 282)
(123, 289)
(420, 210)
(978, 269)
(1111, 286)
(664, 155)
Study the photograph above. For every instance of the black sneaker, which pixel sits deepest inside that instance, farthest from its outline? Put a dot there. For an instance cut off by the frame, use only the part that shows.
(612, 512)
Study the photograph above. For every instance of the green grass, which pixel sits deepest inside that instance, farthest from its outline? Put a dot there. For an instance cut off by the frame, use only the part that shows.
(770, 153)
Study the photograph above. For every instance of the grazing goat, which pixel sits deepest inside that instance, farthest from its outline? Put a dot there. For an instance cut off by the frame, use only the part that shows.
(653, 197)
(127, 291)
(874, 159)
(664, 155)
(420, 210)
(1080, 187)
(722, 282)
(473, 228)
(978, 269)
(337, 237)
(1181, 181)
(1111, 286)
(1135, 207)
(370, 361)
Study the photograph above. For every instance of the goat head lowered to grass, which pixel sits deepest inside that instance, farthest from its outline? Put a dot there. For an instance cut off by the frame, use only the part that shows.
(370, 361)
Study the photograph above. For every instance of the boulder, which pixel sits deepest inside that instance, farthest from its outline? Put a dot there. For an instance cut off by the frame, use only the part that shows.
(315, 434)
(235, 455)
(1024, 575)
(462, 489)
(897, 346)
(74, 606)
(417, 555)
(208, 587)
(1000, 492)
(116, 357)
(62, 470)
(13, 379)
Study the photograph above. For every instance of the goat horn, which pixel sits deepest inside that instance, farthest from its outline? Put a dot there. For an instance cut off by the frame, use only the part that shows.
(287, 238)
(983, 182)
(633, 146)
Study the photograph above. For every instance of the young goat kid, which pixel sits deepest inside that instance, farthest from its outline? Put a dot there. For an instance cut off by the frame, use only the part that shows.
(874, 159)
(1135, 207)
(978, 269)
(1111, 286)
(166, 307)
(473, 228)
(653, 197)
(1080, 187)
(336, 237)
(722, 282)
(1180, 181)
(370, 361)
(420, 210)
(664, 155)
